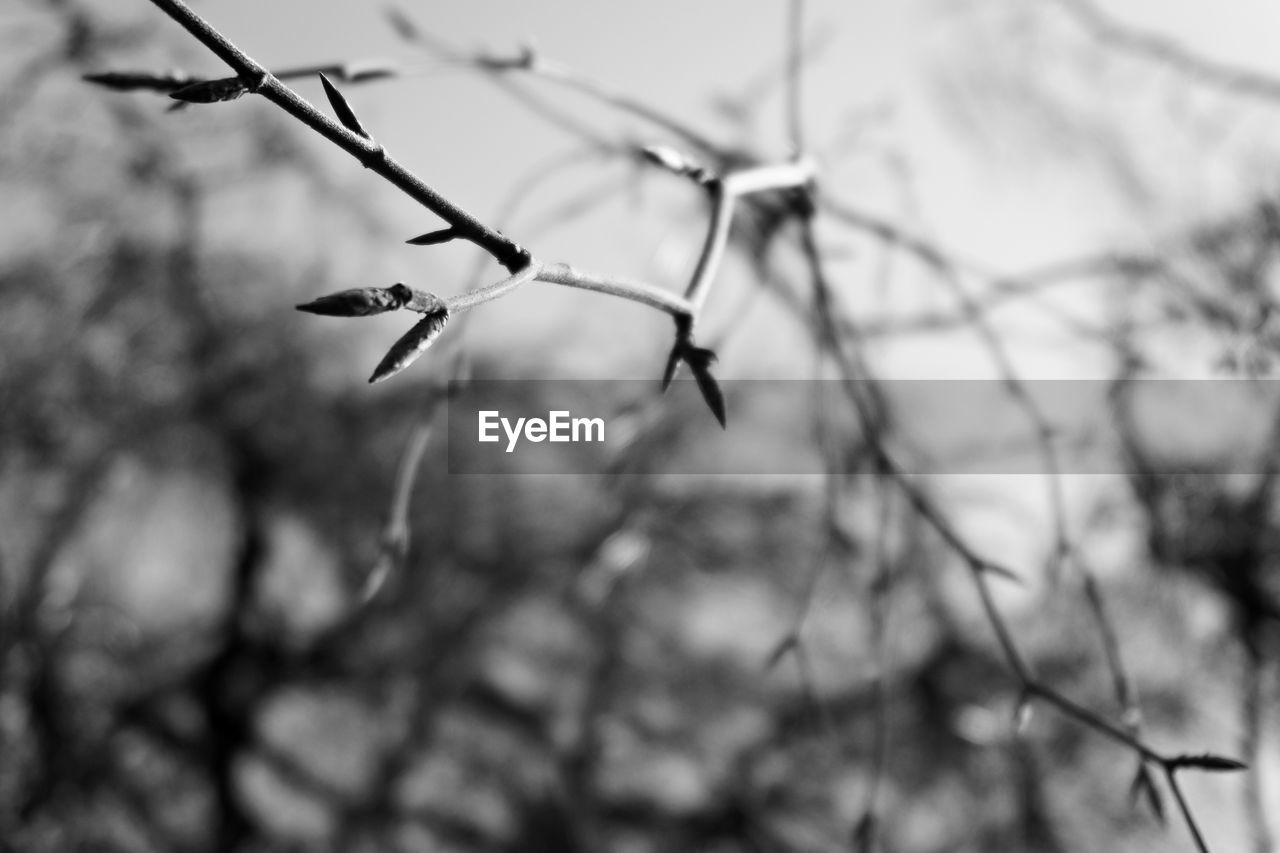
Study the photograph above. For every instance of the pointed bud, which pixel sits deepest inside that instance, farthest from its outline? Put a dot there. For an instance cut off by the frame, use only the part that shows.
(434, 238)
(406, 351)
(211, 91)
(360, 301)
(700, 361)
(864, 833)
(342, 109)
(1211, 763)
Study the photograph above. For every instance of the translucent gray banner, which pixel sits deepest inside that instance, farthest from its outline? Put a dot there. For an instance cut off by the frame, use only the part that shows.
(929, 426)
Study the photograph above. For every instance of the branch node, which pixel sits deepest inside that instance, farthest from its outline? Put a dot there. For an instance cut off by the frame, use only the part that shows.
(211, 91)
(516, 258)
(374, 159)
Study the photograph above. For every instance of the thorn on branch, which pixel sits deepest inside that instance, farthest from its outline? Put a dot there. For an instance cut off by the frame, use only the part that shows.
(434, 238)
(211, 91)
(406, 351)
(699, 360)
(361, 301)
(342, 109)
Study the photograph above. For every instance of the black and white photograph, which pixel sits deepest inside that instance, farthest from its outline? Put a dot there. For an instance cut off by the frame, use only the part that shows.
(552, 426)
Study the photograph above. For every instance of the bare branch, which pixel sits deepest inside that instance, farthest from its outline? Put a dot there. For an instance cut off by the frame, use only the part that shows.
(1233, 79)
(259, 80)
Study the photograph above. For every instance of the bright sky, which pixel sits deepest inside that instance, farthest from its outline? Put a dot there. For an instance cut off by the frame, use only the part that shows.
(905, 70)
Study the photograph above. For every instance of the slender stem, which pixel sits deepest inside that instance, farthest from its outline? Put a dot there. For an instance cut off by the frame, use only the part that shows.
(479, 296)
(369, 153)
(636, 291)
(722, 203)
(394, 548)
(560, 73)
(724, 196)
(976, 565)
(795, 27)
(1172, 777)
(1156, 48)
(775, 176)
(1252, 711)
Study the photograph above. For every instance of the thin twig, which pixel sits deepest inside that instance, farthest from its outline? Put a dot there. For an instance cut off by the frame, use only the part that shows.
(1170, 775)
(979, 568)
(795, 36)
(1229, 78)
(722, 203)
(610, 285)
(370, 154)
(470, 299)
(1253, 712)
(724, 195)
(394, 547)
